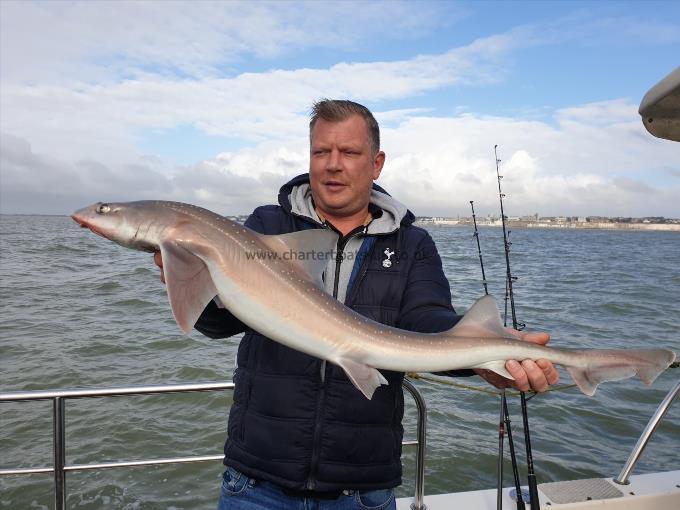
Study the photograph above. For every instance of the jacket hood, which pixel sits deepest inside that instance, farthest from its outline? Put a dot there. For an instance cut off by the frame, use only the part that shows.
(294, 198)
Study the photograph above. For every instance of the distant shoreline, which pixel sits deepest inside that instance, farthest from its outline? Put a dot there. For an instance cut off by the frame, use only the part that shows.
(466, 222)
(647, 227)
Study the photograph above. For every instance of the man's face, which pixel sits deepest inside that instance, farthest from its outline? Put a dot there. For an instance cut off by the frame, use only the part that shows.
(342, 167)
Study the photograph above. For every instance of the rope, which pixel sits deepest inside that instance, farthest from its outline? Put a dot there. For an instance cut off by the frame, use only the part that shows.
(449, 382)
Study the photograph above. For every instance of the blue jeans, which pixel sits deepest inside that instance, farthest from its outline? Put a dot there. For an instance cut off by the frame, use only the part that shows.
(242, 493)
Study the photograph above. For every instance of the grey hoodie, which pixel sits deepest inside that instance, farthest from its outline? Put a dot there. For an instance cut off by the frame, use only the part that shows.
(393, 212)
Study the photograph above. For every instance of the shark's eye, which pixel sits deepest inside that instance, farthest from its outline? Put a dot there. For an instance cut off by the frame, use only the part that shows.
(103, 208)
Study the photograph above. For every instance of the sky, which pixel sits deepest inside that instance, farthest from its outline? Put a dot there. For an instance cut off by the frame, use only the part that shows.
(208, 102)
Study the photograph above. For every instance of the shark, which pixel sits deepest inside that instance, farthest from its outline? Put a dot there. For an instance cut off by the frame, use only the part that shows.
(273, 284)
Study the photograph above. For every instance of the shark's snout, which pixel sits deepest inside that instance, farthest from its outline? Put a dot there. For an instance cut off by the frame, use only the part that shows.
(84, 218)
(80, 217)
(79, 220)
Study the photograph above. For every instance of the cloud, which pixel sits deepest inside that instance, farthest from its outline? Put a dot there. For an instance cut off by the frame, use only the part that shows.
(231, 183)
(104, 120)
(588, 161)
(79, 102)
(86, 133)
(103, 41)
(36, 183)
(592, 159)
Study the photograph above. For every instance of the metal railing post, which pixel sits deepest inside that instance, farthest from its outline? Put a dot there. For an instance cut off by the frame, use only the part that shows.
(418, 503)
(646, 435)
(60, 468)
(59, 425)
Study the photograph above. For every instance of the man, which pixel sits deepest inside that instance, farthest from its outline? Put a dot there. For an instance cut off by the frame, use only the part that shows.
(300, 434)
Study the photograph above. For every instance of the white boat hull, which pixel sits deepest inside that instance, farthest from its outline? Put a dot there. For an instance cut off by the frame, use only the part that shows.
(655, 491)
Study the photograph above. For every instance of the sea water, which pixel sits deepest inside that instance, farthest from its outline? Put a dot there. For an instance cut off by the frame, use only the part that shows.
(79, 311)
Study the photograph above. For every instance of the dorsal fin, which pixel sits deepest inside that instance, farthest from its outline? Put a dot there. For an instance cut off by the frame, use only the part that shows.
(482, 319)
(308, 250)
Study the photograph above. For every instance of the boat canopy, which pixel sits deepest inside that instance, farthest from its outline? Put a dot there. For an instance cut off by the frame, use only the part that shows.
(660, 108)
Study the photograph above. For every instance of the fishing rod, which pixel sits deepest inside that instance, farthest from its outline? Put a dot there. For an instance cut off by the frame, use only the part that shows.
(479, 247)
(501, 427)
(506, 418)
(504, 421)
(509, 279)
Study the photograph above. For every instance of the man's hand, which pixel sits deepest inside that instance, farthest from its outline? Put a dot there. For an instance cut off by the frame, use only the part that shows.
(158, 260)
(529, 375)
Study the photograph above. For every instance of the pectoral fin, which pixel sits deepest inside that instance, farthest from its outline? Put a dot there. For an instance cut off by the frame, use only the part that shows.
(189, 284)
(365, 378)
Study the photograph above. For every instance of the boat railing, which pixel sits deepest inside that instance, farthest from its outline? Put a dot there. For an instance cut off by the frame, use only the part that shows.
(646, 435)
(60, 467)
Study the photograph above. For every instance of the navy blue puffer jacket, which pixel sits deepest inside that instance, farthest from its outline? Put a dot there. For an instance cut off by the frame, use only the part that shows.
(304, 430)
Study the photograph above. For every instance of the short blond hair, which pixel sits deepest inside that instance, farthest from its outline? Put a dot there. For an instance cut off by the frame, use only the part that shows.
(337, 110)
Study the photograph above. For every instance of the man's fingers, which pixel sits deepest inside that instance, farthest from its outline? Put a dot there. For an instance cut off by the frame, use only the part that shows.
(537, 379)
(549, 370)
(521, 380)
(158, 260)
(537, 376)
(536, 337)
(530, 375)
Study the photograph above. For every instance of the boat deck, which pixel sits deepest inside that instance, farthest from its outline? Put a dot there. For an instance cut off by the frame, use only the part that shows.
(656, 491)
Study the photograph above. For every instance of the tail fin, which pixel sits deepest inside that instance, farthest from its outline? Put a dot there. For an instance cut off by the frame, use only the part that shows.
(613, 365)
